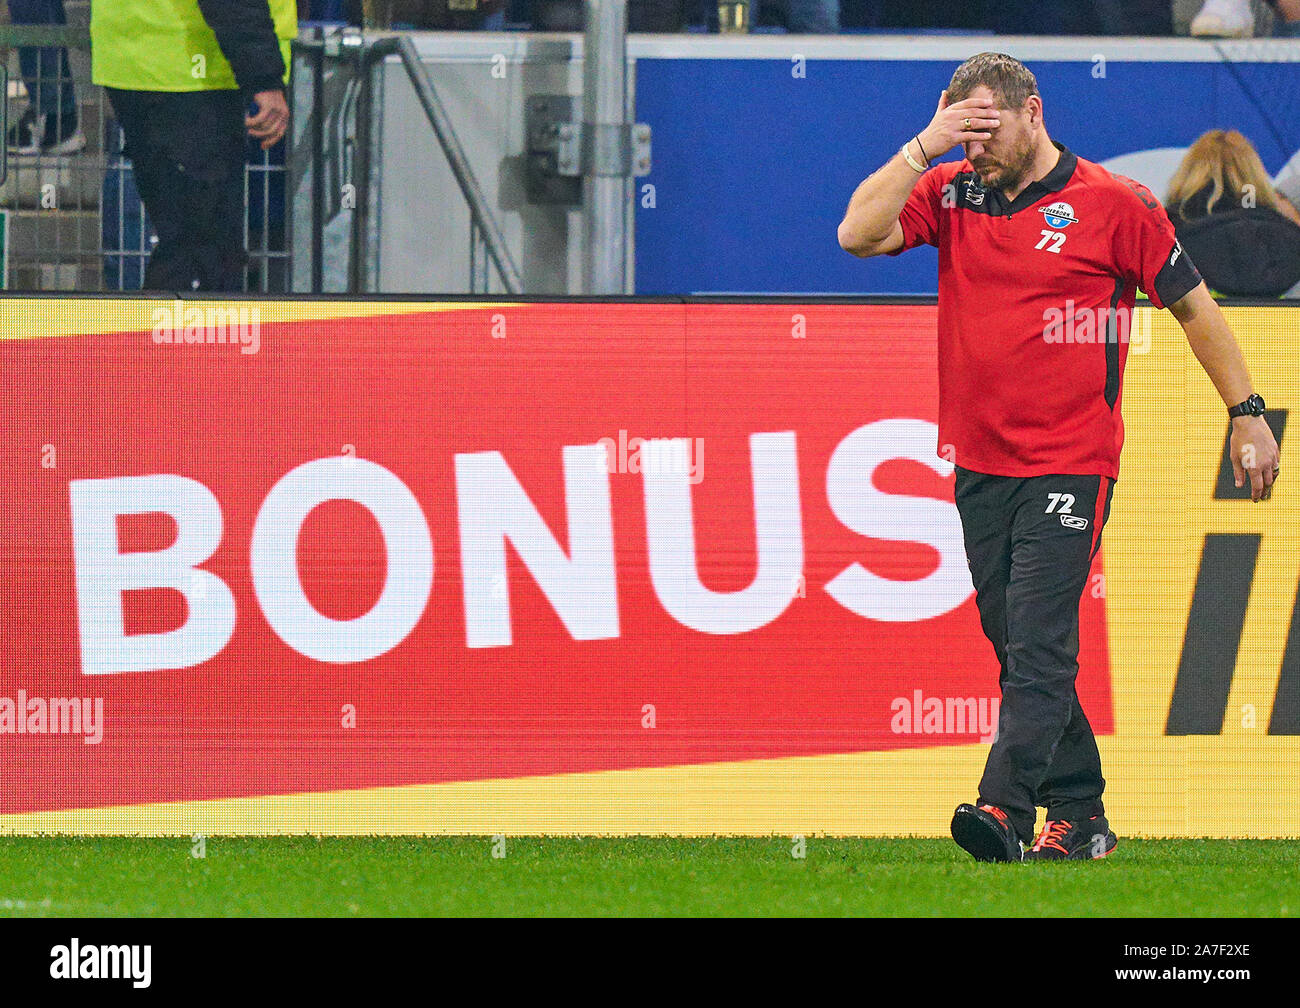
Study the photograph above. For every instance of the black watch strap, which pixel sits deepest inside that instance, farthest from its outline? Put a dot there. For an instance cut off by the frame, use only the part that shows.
(1253, 406)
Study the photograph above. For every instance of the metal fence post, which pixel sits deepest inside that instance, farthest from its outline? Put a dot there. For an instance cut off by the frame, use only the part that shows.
(606, 142)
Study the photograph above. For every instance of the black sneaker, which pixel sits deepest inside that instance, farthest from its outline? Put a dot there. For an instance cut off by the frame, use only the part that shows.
(24, 136)
(986, 834)
(36, 134)
(1061, 840)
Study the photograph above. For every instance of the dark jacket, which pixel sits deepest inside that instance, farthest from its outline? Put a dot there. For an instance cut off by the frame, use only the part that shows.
(1241, 252)
(246, 35)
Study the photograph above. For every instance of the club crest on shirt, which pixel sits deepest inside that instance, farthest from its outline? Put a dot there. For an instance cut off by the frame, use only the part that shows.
(1059, 215)
(974, 193)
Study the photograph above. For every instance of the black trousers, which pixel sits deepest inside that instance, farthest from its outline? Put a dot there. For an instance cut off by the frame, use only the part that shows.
(1030, 544)
(187, 150)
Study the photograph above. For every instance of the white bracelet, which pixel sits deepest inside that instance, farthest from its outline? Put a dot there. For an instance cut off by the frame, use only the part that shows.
(916, 166)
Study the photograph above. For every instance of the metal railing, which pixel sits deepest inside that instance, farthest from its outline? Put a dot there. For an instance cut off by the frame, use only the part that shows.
(74, 219)
(487, 245)
(485, 232)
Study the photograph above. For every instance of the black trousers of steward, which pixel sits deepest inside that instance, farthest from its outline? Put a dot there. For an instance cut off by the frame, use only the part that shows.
(187, 151)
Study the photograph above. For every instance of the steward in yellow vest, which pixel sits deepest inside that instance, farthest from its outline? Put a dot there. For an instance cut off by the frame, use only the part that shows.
(188, 81)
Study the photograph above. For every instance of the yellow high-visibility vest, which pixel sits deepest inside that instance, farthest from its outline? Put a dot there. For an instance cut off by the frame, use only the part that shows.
(165, 45)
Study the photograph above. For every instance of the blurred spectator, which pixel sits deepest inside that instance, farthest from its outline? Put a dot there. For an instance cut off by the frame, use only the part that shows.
(798, 17)
(915, 14)
(185, 88)
(1236, 19)
(1242, 234)
(1089, 17)
(814, 17)
(1224, 19)
(1288, 17)
(663, 16)
(434, 15)
(49, 125)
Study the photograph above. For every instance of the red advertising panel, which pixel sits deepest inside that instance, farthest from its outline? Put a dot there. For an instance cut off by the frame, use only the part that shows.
(299, 550)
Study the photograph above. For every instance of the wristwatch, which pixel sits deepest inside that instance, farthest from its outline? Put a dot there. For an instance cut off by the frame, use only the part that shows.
(1254, 406)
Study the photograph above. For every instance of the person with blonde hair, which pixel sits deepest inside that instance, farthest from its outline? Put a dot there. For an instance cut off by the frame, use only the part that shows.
(1223, 162)
(1243, 235)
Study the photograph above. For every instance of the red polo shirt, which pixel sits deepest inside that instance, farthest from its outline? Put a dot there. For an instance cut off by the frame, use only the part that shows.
(1035, 308)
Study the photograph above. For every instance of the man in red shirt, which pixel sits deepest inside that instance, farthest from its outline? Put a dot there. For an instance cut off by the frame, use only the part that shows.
(1040, 257)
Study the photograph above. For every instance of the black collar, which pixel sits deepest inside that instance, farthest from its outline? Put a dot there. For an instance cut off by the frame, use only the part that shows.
(1054, 181)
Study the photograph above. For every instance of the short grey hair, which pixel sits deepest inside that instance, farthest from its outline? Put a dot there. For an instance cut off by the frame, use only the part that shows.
(1010, 80)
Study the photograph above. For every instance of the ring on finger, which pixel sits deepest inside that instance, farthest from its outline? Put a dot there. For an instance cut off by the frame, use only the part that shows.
(966, 123)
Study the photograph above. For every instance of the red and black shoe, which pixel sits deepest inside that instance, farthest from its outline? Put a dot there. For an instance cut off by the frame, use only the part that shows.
(1061, 840)
(986, 834)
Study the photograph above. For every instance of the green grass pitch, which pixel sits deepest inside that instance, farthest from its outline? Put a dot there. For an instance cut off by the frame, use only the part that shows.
(406, 876)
